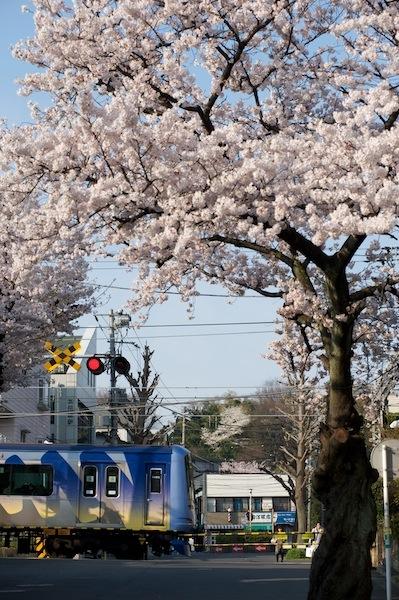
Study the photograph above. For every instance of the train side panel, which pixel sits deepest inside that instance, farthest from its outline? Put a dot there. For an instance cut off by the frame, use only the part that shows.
(47, 482)
(182, 513)
(127, 488)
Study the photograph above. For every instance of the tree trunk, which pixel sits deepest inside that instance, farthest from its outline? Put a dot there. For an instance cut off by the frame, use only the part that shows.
(341, 566)
(300, 466)
(300, 502)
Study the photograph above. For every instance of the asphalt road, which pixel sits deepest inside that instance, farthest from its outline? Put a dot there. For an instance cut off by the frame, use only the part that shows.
(202, 577)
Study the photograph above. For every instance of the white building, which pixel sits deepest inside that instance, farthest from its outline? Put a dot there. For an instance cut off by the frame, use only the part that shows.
(24, 414)
(58, 408)
(72, 395)
(393, 402)
(232, 501)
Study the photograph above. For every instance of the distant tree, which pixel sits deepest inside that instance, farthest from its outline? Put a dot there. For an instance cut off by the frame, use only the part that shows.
(139, 416)
(286, 450)
(263, 436)
(205, 418)
(296, 420)
(232, 420)
(297, 352)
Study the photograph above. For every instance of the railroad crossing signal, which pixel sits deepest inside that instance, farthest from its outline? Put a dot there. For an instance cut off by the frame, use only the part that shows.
(62, 356)
(95, 365)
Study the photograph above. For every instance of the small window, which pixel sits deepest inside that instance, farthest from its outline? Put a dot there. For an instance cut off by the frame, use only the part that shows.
(222, 504)
(112, 482)
(257, 504)
(281, 504)
(240, 504)
(52, 410)
(89, 481)
(23, 436)
(211, 505)
(41, 384)
(155, 481)
(26, 480)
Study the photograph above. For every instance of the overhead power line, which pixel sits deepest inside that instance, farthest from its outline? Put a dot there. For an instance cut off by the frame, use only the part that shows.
(219, 324)
(186, 335)
(103, 410)
(169, 293)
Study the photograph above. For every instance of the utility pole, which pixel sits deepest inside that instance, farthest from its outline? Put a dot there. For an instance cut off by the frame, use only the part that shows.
(183, 428)
(250, 510)
(114, 417)
(387, 526)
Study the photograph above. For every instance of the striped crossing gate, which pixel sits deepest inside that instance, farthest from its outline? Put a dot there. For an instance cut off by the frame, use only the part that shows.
(40, 548)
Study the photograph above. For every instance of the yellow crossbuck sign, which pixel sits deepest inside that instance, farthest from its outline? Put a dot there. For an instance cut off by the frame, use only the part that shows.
(62, 356)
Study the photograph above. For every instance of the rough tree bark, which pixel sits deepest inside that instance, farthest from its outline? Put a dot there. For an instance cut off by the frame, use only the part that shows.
(300, 479)
(341, 566)
(300, 500)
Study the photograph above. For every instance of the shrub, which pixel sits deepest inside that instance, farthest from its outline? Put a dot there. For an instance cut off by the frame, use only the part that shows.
(294, 553)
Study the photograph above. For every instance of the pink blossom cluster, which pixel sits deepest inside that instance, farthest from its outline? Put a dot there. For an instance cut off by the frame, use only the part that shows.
(245, 142)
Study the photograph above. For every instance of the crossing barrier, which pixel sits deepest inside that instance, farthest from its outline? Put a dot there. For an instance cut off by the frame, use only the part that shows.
(40, 548)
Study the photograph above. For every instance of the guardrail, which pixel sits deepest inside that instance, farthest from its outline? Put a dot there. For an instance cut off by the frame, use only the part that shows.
(244, 541)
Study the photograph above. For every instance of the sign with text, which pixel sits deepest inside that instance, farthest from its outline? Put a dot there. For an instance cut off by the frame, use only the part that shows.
(285, 518)
(261, 517)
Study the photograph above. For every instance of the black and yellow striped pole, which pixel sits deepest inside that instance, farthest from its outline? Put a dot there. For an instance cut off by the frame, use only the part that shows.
(40, 548)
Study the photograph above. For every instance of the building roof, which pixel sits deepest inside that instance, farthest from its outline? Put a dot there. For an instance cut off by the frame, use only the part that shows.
(233, 485)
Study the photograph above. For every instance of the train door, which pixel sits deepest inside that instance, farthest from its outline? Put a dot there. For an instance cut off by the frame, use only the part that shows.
(155, 494)
(100, 494)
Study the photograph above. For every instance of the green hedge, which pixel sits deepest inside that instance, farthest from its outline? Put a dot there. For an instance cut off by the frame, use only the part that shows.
(294, 553)
(234, 538)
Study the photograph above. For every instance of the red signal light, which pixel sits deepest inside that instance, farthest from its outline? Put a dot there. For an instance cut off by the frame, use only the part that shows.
(95, 365)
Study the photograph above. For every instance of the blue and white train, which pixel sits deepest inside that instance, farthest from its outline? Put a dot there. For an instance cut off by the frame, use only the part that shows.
(110, 498)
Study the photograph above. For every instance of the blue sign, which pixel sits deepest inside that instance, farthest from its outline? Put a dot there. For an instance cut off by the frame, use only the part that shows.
(285, 518)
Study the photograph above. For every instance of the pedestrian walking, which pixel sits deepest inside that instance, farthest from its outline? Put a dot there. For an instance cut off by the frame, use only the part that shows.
(317, 532)
(278, 547)
(279, 550)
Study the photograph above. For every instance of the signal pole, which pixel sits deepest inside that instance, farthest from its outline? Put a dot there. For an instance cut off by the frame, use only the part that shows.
(250, 510)
(183, 428)
(114, 417)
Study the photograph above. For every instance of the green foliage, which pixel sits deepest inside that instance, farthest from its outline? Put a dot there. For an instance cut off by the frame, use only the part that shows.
(295, 553)
(205, 417)
(260, 440)
(248, 538)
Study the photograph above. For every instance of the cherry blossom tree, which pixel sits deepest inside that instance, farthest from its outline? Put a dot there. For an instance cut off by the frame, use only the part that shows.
(231, 423)
(247, 142)
(43, 287)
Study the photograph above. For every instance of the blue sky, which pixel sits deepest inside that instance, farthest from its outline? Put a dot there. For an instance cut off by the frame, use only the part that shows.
(213, 364)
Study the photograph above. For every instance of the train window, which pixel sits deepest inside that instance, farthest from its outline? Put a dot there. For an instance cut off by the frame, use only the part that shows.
(89, 481)
(112, 481)
(155, 481)
(26, 480)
